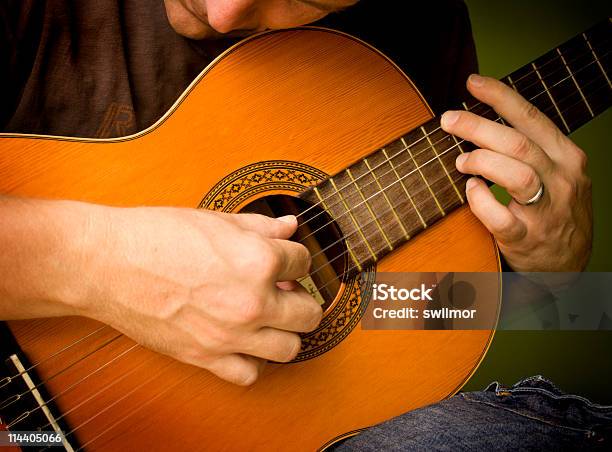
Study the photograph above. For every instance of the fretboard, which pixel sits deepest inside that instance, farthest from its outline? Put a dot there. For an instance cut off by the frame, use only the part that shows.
(397, 191)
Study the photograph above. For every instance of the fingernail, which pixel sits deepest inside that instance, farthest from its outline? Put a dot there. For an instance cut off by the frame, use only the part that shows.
(449, 118)
(476, 80)
(461, 158)
(287, 219)
(471, 183)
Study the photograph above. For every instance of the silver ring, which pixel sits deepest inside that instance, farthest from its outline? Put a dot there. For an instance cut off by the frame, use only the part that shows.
(535, 198)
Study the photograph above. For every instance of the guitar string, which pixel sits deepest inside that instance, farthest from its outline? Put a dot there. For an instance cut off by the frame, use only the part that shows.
(125, 352)
(442, 177)
(302, 212)
(17, 397)
(344, 253)
(23, 416)
(157, 395)
(478, 104)
(417, 168)
(7, 380)
(98, 392)
(114, 403)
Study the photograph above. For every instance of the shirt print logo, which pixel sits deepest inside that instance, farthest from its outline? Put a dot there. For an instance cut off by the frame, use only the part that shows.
(118, 121)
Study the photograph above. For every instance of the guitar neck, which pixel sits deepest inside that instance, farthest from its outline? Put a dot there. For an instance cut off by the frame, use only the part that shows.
(570, 83)
(401, 189)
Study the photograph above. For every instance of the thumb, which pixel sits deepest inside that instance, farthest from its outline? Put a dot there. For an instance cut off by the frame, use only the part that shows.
(274, 228)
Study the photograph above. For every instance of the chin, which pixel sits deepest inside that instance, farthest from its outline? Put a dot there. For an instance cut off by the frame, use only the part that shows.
(188, 26)
(201, 32)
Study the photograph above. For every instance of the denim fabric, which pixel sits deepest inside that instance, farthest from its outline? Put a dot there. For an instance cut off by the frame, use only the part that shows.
(532, 415)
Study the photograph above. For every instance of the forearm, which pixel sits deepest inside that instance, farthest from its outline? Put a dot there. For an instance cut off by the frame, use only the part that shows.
(179, 281)
(43, 257)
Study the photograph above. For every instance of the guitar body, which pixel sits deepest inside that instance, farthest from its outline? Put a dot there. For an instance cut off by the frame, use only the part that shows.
(274, 114)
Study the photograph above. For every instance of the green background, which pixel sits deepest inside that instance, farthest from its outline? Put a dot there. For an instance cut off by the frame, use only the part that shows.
(509, 35)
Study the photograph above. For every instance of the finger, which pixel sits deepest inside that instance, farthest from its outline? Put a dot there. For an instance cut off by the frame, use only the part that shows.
(294, 260)
(287, 285)
(518, 178)
(293, 310)
(496, 217)
(523, 115)
(497, 137)
(272, 344)
(237, 369)
(274, 228)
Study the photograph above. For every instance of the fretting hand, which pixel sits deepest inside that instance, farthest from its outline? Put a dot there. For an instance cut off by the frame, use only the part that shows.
(534, 161)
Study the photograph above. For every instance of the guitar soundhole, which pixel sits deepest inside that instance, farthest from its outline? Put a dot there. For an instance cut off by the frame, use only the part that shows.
(320, 234)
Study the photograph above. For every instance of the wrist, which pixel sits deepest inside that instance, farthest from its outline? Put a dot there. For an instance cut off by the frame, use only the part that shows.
(83, 240)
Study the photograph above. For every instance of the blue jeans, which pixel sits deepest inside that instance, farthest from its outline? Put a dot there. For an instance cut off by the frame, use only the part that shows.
(532, 415)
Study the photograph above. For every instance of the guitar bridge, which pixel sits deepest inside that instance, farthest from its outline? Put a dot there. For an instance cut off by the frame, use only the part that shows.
(25, 408)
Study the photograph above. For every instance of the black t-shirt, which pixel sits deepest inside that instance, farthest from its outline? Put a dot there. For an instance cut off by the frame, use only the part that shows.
(106, 68)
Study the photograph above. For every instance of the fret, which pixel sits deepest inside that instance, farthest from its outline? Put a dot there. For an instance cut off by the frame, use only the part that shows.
(482, 109)
(403, 185)
(575, 82)
(462, 146)
(528, 85)
(597, 60)
(367, 204)
(588, 75)
(420, 170)
(551, 98)
(384, 193)
(347, 194)
(352, 216)
(433, 147)
(412, 180)
(458, 144)
(435, 162)
(512, 85)
(599, 37)
(348, 246)
(525, 81)
(380, 184)
(478, 108)
(449, 148)
(561, 88)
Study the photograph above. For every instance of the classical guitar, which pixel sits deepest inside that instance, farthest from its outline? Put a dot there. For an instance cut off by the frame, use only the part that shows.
(306, 121)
